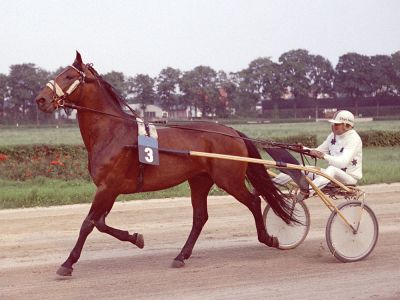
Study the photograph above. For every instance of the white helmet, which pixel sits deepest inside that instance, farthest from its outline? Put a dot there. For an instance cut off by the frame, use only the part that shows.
(343, 116)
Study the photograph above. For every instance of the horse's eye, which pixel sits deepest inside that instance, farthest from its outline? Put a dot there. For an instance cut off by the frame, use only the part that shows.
(69, 77)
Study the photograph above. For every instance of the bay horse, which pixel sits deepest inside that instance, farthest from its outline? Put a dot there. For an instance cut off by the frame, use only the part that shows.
(107, 129)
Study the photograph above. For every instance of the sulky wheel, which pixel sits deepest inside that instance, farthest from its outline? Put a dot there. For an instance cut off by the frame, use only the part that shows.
(345, 244)
(289, 236)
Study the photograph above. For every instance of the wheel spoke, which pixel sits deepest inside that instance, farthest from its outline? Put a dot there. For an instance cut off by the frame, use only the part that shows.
(290, 236)
(343, 243)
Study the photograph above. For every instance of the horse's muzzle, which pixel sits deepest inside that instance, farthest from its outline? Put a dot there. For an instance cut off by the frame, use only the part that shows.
(44, 105)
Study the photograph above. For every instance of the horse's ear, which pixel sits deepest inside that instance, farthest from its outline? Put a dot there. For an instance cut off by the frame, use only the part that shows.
(78, 59)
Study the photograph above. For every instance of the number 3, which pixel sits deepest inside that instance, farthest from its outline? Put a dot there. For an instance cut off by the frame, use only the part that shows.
(149, 154)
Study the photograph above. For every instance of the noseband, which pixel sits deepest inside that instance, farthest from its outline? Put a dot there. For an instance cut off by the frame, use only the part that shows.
(59, 96)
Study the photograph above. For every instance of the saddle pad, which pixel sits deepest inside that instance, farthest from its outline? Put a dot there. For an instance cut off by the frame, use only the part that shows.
(150, 131)
(147, 143)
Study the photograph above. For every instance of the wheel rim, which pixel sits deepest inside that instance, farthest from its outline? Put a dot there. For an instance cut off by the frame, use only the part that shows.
(347, 244)
(288, 235)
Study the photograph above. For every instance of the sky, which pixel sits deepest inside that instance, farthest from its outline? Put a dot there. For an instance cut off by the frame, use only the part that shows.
(144, 37)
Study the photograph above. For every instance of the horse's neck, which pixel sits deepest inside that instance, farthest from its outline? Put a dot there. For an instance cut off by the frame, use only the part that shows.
(96, 128)
(91, 129)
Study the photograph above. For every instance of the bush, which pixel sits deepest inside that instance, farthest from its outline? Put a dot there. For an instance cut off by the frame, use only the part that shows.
(64, 162)
(386, 118)
(306, 140)
(379, 138)
(372, 138)
(69, 162)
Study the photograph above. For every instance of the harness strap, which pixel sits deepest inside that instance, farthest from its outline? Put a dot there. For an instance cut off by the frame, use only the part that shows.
(139, 181)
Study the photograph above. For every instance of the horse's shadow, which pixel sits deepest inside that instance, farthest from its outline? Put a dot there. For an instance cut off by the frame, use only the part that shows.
(246, 255)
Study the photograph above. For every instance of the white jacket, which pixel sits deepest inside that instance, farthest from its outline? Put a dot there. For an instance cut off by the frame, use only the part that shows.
(344, 152)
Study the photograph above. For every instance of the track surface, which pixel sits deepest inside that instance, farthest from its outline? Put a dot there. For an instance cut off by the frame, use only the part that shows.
(227, 262)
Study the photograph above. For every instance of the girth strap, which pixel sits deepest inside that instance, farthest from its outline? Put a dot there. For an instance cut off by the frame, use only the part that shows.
(139, 181)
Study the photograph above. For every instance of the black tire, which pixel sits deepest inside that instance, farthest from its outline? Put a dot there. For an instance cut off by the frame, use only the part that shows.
(345, 245)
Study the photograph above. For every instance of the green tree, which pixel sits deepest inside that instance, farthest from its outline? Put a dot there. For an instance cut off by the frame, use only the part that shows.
(25, 82)
(396, 66)
(3, 95)
(226, 94)
(265, 81)
(296, 70)
(167, 87)
(354, 76)
(383, 77)
(199, 89)
(321, 76)
(141, 90)
(266, 78)
(117, 80)
(245, 99)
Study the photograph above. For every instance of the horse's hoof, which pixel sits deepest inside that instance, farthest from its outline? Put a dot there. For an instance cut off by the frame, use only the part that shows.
(275, 242)
(178, 263)
(272, 241)
(64, 271)
(139, 241)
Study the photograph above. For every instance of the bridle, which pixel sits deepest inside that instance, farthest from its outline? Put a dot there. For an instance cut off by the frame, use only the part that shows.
(59, 96)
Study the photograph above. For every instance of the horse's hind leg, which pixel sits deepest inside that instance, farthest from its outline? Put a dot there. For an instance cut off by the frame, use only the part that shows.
(253, 203)
(200, 186)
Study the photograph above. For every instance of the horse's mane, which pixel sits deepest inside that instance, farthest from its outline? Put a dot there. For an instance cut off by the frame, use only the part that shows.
(121, 102)
(118, 99)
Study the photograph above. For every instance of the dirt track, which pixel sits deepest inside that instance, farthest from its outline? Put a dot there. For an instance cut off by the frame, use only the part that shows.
(227, 262)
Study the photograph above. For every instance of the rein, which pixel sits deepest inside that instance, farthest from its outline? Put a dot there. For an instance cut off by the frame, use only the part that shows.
(263, 143)
(60, 97)
(77, 107)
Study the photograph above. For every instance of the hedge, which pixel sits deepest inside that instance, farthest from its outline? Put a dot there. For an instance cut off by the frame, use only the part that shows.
(306, 140)
(380, 138)
(372, 138)
(24, 162)
(68, 162)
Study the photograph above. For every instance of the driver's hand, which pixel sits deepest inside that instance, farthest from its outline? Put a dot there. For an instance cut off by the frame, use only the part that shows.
(317, 154)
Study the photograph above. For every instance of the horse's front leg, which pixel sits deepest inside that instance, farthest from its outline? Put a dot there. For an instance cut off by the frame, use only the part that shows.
(122, 235)
(101, 205)
(66, 268)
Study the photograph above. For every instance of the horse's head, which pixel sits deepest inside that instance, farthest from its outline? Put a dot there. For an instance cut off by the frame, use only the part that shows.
(67, 87)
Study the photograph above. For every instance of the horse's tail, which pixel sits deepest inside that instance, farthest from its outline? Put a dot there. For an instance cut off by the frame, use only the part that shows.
(264, 186)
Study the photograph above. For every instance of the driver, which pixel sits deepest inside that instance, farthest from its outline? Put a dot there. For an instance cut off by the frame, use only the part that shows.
(342, 149)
